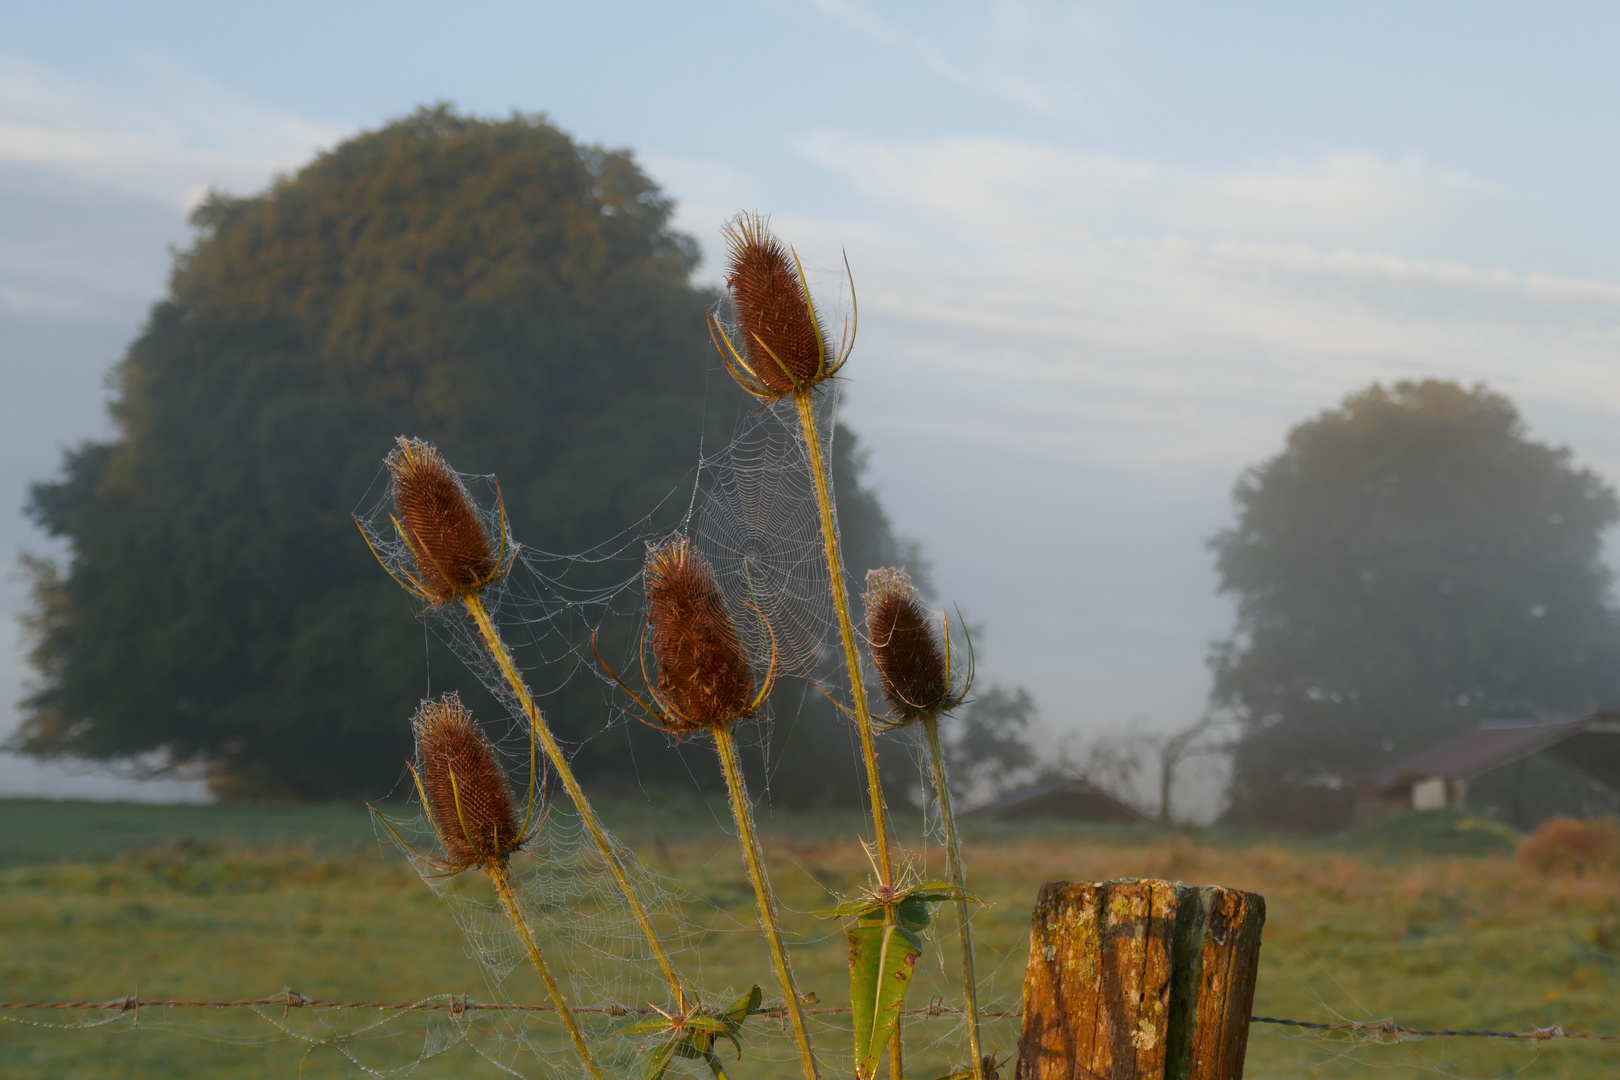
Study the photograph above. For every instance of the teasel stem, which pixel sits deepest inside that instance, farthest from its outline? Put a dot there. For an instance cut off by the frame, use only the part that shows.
(804, 398)
(953, 851)
(593, 825)
(500, 875)
(742, 811)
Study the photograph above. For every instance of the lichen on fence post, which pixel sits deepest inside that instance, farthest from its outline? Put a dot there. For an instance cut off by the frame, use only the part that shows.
(1139, 980)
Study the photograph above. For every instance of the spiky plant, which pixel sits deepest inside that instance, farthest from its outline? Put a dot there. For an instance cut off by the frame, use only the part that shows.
(914, 672)
(453, 558)
(782, 350)
(464, 791)
(453, 553)
(704, 684)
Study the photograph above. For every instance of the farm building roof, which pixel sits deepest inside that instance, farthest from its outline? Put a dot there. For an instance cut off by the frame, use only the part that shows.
(1066, 799)
(1590, 743)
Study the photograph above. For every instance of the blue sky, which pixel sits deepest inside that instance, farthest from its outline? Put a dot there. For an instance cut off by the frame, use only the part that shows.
(1107, 253)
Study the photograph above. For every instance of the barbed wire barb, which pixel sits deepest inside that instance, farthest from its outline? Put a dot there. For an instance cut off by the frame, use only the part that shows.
(459, 1004)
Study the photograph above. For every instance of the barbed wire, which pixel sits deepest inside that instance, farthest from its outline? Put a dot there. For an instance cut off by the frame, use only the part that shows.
(1390, 1027)
(457, 1004)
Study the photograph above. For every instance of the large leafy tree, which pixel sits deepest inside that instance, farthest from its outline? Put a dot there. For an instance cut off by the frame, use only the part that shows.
(492, 286)
(1409, 564)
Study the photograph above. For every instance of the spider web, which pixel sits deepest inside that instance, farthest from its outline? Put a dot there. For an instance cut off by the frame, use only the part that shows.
(753, 514)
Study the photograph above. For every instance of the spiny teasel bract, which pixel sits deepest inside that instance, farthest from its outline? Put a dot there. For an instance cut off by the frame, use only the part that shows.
(464, 784)
(703, 675)
(911, 663)
(704, 683)
(784, 347)
(450, 545)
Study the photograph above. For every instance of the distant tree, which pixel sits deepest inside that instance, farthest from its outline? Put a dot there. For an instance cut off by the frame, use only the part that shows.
(1410, 564)
(987, 743)
(1173, 750)
(495, 287)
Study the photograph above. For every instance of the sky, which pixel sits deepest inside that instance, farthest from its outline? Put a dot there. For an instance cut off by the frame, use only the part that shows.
(1107, 254)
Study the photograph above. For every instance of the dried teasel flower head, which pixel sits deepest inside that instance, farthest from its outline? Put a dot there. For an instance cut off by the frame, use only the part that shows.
(913, 667)
(464, 785)
(451, 547)
(703, 675)
(783, 346)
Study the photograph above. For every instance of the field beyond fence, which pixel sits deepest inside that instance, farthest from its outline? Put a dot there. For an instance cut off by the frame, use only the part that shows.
(97, 901)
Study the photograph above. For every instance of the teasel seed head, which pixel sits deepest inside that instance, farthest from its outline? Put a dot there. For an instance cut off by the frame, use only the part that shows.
(703, 675)
(911, 664)
(783, 345)
(473, 813)
(451, 547)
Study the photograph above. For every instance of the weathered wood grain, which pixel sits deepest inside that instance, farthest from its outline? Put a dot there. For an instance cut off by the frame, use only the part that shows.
(1139, 980)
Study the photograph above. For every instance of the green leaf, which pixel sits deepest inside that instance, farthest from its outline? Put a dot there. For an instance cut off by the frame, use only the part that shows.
(659, 1059)
(844, 910)
(711, 1025)
(743, 1007)
(913, 914)
(882, 959)
(926, 892)
(718, 1067)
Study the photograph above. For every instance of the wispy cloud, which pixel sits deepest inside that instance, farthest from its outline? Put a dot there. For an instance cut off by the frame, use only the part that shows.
(96, 181)
(988, 48)
(885, 31)
(162, 133)
(1072, 356)
(1344, 267)
(1028, 189)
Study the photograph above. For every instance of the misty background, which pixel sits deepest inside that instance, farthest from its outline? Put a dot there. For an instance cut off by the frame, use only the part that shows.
(1106, 255)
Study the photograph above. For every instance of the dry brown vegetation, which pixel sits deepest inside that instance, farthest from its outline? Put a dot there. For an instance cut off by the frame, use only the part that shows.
(1430, 941)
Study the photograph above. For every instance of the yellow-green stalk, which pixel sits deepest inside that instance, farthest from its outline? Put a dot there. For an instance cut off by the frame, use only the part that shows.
(953, 850)
(742, 812)
(785, 352)
(565, 773)
(704, 684)
(914, 671)
(465, 794)
(455, 559)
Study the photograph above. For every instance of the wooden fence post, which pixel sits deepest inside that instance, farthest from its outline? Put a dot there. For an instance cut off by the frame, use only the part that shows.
(1139, 980)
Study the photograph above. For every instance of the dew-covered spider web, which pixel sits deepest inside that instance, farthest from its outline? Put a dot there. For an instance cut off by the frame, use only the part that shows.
(753, 514)
(750, 509)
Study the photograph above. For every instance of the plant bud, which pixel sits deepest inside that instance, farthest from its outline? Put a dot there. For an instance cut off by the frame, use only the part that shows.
(910, 662)
(474, 815)
(703, 673)
(781, 337)
(452, 549)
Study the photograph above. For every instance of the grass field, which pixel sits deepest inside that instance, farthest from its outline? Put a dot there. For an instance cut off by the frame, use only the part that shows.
(204, 902)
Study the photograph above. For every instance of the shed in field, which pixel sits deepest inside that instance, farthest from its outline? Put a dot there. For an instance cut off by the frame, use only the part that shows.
(1069, 799)
(1438, 777)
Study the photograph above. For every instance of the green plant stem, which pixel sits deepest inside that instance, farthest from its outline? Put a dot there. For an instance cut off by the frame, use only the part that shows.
(501, 877)
(804, 399)
(593, 825)
(742, 811)
(953, 850)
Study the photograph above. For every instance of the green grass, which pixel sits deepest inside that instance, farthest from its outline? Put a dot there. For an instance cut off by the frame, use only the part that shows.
(1431, 832)
(46, 830)
(232, 901)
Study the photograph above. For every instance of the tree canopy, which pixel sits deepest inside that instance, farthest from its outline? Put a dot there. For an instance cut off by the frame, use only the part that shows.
(1409, 565)
(513, 296)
